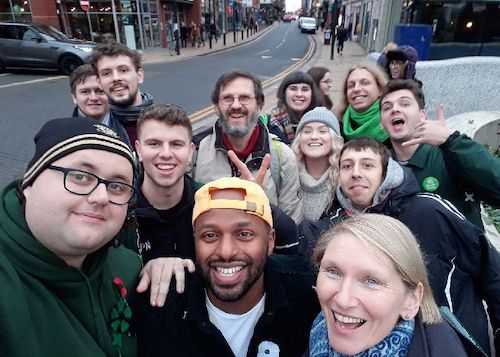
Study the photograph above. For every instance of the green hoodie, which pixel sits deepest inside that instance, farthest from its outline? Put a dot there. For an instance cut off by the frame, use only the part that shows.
(48, 308)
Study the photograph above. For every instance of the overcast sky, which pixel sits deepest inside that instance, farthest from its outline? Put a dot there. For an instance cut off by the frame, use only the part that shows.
(292, 5)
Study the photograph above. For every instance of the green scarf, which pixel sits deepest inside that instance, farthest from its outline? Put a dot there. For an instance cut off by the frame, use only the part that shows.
(367, 123)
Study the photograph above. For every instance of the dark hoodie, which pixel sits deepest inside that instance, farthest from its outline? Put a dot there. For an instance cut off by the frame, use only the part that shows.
(463, 266)
(128, 116)
(48, 308)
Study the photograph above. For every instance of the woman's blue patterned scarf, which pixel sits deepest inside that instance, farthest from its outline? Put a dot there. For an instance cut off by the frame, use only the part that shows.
(397, 343)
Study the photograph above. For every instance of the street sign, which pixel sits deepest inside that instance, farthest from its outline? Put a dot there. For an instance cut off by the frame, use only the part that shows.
(85, 4)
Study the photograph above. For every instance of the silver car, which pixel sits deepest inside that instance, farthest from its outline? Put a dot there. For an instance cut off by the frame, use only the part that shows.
(41, 47)
(308, 24)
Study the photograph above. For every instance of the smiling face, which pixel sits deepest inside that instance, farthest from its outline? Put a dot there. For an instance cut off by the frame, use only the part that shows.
(400, 114)
(361, 294)
(361, 174)
(325, 84)
(90, 98)
(315, 141)
(231, 250)
(298, 97)
(397, 69)
(120, 80)
(362, 89)
(238, 119)
(165, 151)
(73, 226)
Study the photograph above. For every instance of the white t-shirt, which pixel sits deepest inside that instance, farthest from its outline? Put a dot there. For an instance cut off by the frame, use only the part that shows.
(236, 329)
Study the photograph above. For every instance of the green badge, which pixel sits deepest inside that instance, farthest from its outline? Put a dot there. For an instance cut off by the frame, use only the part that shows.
(430, 184)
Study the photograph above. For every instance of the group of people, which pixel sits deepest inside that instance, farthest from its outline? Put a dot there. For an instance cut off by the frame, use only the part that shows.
(194, 33)
(127, 236)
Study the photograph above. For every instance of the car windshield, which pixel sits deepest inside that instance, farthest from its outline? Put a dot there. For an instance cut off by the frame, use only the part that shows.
(309, 21)
(52, 32)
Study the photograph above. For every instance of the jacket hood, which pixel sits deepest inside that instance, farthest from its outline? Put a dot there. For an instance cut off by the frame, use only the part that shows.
(394, 178)
(30, 256)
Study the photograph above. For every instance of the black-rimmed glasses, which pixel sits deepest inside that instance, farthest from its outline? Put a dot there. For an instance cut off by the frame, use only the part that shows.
(83, 183)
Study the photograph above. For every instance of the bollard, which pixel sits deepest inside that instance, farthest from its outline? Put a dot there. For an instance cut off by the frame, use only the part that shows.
(224, 38)
(210, 41)
(247, 32)
(242, 34)
(234, 36)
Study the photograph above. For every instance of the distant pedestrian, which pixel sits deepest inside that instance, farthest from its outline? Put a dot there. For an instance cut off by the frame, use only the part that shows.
(401, 62)
(195, 34)
(341, 37)
(213, 31)
(184, 34)
(201, 39)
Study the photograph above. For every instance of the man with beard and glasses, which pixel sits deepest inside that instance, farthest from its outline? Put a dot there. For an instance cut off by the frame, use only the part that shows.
(238, 99)
(120, 74)
(242, 301)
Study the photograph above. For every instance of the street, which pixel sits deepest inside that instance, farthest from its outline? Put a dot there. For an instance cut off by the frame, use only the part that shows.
(29, 99)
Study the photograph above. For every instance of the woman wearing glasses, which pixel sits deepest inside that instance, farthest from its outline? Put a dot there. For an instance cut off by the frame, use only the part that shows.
(401, 62)
(323, 79)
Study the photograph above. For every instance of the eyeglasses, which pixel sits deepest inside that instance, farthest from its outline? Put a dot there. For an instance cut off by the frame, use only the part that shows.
(83, 183)
(229, 99)
(396, 63)
(327, 82)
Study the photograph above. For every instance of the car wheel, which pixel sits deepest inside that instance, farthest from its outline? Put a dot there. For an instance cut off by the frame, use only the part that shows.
(69, 63)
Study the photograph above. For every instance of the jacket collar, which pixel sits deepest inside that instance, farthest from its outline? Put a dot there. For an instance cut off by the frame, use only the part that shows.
(261, 148)
(276, 297)
(419, 158)
(145, 209)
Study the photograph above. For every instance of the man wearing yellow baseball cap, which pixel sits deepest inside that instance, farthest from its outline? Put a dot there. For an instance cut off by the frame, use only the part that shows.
(242, 300)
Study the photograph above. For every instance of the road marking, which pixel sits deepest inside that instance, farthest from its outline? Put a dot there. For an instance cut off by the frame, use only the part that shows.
(284, 39)
(266, 57)
(258, 53)
(32, 81)
(295, 59)
(5, 74)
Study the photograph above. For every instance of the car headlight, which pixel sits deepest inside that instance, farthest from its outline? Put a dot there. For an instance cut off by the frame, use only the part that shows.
(84, 49)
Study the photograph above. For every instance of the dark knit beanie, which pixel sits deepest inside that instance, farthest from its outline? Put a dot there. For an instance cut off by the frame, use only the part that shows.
(61, 137)
(320, 115)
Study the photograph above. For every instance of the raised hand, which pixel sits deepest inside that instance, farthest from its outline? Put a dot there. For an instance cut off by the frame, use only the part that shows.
(245, 172)
(434, 132)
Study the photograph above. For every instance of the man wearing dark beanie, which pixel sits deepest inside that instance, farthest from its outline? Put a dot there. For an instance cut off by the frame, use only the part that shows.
(65, 283)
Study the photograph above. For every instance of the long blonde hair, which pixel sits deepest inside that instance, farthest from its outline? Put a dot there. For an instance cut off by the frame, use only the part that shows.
(333, 159)
(385, 234)
(376, 72)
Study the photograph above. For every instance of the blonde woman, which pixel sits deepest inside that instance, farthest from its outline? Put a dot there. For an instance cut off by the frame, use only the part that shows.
(317, 146)
(375, 296)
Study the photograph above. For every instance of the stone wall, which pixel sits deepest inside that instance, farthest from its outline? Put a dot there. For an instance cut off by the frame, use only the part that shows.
(465, 84)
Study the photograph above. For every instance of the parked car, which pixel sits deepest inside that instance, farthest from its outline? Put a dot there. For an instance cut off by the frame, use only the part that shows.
(41, 47)
(308, 24)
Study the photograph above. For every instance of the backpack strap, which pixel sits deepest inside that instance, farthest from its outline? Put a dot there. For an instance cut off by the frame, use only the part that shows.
(276, 161)
(460, 329)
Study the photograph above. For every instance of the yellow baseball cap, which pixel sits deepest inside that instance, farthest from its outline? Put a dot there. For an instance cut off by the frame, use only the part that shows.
(255, 199)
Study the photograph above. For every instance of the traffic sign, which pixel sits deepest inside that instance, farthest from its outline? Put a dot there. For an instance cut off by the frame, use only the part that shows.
(85, 4)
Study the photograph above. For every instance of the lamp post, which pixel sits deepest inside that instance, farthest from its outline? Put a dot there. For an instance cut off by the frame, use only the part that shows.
(176, 30)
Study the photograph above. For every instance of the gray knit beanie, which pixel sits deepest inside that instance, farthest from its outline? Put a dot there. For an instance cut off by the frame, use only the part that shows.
(320, 115)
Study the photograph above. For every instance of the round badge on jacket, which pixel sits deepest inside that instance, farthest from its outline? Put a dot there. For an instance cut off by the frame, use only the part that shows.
(430, 184)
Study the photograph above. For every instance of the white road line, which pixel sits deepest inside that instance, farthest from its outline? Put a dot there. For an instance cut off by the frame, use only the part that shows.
(295, 59)
(258, 53)
(30, 82)
(284, 39)
(5, 74)
(266, 57)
